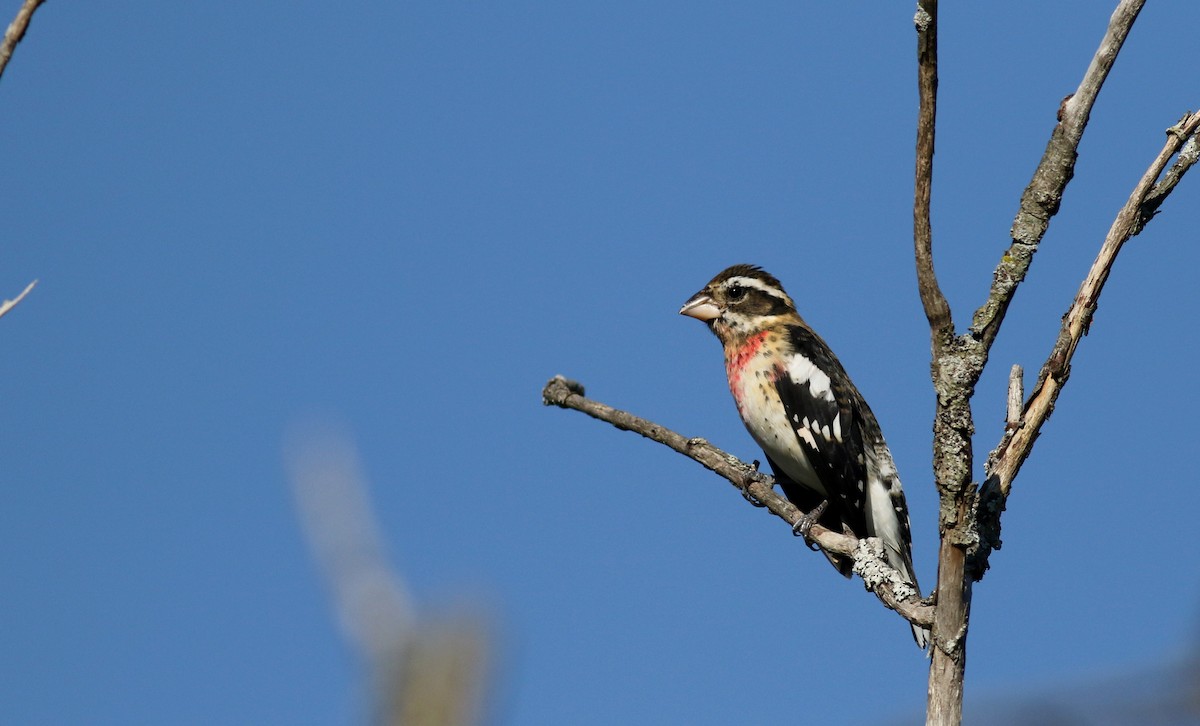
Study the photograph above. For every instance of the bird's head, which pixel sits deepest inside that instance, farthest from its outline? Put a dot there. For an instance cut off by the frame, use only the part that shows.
(740, 301)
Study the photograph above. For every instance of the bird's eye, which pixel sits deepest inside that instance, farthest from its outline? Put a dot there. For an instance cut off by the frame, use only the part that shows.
(736, 292)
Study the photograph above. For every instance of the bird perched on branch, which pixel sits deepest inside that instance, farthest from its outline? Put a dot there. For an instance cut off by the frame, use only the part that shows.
(823, 443)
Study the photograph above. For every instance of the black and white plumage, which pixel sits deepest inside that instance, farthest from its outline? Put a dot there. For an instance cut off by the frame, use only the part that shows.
(818, 433)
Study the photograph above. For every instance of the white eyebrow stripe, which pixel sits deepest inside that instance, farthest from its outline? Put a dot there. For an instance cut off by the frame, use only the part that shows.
(757, 284)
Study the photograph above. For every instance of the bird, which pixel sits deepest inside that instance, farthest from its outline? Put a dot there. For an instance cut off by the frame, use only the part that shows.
(822, 441)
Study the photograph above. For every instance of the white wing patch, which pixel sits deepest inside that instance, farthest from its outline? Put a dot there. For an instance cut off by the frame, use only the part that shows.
(803, 371)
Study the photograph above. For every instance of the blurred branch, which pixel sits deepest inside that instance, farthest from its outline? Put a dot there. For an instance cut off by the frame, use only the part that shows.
(16, 31)
(10, 304)
(878, 576)
(422, 674)
(442, 678)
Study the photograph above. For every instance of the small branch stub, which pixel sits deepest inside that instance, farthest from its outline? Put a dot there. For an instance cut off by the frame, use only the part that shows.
(558, 389)
(1016, 396)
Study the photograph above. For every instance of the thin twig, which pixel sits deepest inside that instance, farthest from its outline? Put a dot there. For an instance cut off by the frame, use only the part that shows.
(1041, 199)
(1016, 445)
(869, 562)
(937, 309)
(16, 31)
(10, 304)
(1188, 156)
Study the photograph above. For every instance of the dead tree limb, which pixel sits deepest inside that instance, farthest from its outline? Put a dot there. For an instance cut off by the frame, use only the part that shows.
(937, 309)
(952, 424)
(1014, 448)
(16, 31)
(1042, 197)
(1182, 144)
(958, 360)
(968, 518)
(877, 575)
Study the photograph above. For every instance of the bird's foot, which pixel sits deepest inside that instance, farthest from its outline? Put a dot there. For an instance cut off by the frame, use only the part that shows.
(745, 489)
(803, 526)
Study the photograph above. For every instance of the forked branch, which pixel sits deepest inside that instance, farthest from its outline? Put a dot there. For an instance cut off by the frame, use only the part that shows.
(1143, 202)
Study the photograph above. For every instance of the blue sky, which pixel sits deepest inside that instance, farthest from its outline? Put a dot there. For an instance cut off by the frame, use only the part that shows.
(404, 217)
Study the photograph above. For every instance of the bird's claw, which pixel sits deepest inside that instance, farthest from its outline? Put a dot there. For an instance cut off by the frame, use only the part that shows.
(745, 489)
(803, 526)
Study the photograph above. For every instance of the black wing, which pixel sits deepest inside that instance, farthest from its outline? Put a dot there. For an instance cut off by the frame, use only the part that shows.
(823, 409)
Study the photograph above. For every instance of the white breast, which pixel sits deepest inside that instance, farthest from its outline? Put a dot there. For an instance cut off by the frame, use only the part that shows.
(763, 414)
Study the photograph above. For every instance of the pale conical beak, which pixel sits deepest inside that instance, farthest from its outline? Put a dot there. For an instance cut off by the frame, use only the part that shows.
(701, 307)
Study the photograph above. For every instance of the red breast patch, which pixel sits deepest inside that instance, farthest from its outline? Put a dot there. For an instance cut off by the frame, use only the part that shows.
(736, 361)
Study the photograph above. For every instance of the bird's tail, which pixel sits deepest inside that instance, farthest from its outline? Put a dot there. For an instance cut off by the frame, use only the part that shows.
(844, 565)
(921, 635)
(904, 566)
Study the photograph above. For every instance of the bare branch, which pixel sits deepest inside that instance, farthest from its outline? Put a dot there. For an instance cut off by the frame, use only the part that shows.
(16, 31)
(954, 368)
(937, 309)
(10, 304)
(1016, 445)
(1188, 156)
(869, 562)
(1041, 199)
(991, 501)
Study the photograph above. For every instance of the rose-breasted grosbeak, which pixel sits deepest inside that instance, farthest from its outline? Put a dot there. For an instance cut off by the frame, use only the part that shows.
(819, 435)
